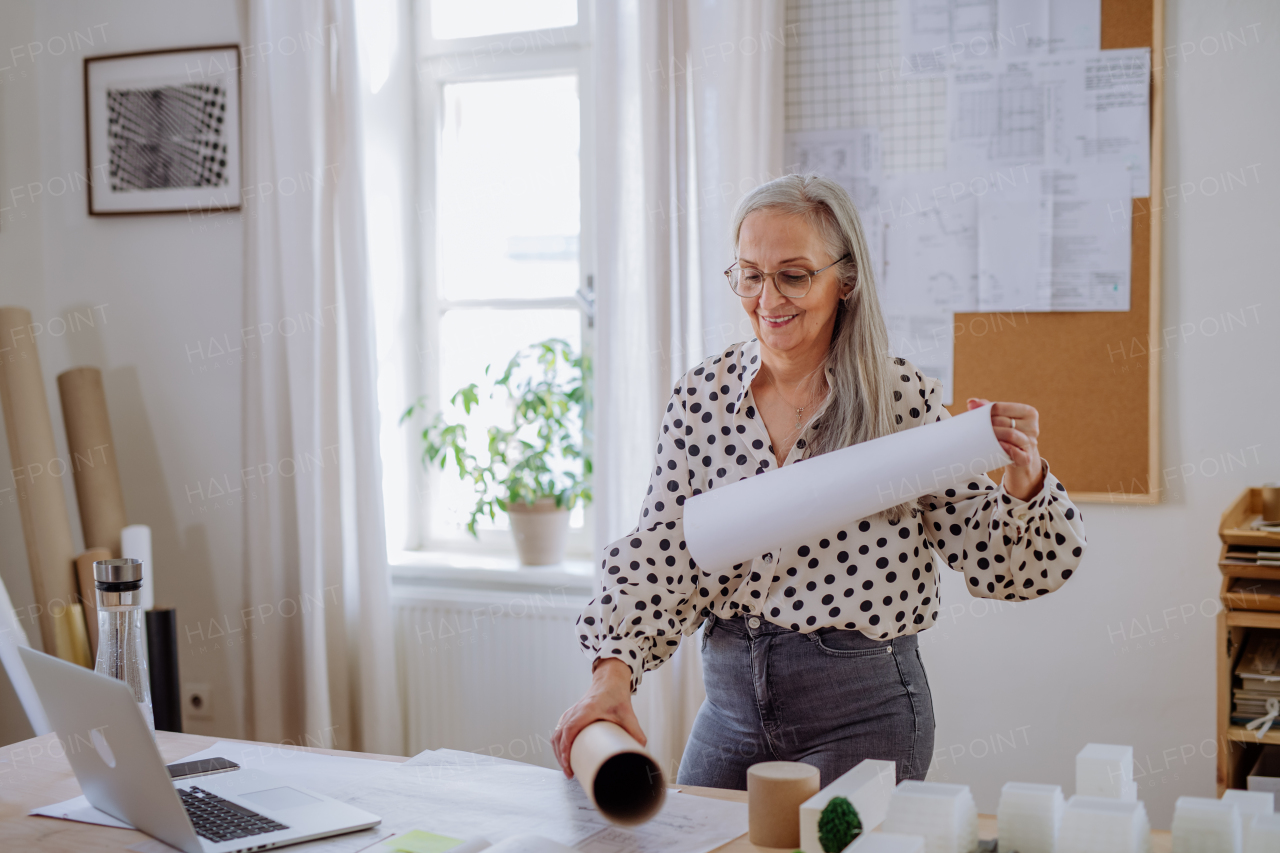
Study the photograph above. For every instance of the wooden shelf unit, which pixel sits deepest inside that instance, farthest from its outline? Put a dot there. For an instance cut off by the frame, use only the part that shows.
(1238, 748)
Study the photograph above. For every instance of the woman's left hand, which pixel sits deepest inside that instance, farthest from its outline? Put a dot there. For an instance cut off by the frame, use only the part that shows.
(1017, 426)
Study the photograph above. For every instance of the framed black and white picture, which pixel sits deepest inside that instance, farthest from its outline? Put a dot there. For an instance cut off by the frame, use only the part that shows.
(162, 131)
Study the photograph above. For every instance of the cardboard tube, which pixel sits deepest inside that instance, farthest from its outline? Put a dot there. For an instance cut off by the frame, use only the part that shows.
(37, 473)
(93, 457)
(622, 780)
(88, 595)
(775, 790)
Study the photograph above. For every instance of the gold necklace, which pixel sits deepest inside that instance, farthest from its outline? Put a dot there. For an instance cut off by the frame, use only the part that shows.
(777, 386)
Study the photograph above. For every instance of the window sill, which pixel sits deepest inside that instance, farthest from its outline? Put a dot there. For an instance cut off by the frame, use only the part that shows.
(502, 572)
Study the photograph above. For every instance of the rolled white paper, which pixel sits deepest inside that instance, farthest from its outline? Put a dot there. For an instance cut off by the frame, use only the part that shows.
(802, 501)
(135, 543)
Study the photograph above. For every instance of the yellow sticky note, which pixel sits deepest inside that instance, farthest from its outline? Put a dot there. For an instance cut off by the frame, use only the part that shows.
(417, 841)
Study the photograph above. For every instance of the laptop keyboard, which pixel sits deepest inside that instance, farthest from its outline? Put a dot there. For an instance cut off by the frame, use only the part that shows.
(222, 820)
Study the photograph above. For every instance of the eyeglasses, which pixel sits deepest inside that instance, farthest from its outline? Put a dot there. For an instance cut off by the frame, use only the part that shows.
(793, 282)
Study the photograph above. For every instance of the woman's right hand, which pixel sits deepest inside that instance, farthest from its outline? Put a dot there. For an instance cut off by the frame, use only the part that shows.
(609, 698)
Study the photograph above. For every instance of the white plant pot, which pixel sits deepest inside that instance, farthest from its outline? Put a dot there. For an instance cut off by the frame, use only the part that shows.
(540, 530)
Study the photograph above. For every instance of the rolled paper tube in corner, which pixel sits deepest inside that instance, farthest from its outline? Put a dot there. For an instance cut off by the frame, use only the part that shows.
(802, 501)
(46, 526)
(622, 780)
(72, 643)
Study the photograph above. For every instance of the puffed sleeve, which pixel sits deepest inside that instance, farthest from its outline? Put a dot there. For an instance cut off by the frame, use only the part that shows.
(648, 581)
(1006, 547)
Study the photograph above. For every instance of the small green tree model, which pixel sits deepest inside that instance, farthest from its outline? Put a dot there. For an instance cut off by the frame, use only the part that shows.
(838, 825)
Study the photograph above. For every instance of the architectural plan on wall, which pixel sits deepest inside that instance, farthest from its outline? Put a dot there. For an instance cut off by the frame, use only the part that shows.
(1117, 98)
(1091, 237)
(1053, 110)
(1024, 25)
(938, 33)
(927, 340)
(931, 243)
(851, 158)
(1059, 241)
(1015, 250)
(1075, 25)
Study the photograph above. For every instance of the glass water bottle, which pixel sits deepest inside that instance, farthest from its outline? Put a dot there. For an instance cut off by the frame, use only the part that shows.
(120, 634)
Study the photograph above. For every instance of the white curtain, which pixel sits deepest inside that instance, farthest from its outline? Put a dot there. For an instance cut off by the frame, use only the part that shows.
(320, 658)
(688, 119)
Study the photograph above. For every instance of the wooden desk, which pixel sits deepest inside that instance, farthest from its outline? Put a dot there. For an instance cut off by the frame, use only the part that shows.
(33, 773)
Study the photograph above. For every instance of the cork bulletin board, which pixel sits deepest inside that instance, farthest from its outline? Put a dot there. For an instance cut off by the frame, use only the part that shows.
(1093, 376)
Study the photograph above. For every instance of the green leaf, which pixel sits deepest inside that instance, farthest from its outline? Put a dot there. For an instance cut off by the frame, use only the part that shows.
(542, 451)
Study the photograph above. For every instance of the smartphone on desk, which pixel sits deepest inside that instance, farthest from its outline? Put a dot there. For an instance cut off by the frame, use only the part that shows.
(201, 768)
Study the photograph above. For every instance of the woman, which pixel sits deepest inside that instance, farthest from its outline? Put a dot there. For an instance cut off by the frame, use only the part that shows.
(809, 651)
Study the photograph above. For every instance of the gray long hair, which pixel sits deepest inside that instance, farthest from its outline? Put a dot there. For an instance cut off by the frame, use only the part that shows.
(861, 405)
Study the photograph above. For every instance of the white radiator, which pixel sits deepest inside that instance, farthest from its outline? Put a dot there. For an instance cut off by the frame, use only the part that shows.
(487, 672)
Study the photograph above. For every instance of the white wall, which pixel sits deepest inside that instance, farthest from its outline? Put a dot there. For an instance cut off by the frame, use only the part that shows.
(1124, 653)
(159, 286)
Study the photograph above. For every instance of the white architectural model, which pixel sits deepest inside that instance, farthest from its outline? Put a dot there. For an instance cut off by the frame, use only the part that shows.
(1203, 825)
(1104, 825)
(1104, 770)
(1029, 817)
(867, 787)
(1265, 837)
(886, 842)
(944, 814)
(1252, 804)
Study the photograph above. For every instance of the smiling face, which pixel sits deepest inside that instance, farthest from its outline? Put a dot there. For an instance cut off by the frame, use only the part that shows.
(800, 328)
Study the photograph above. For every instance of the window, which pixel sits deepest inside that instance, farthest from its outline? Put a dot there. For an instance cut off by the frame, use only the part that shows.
(506, 254)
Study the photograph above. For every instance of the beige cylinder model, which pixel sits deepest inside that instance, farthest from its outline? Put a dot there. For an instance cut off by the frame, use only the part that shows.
(37, 475)
(93, 458)
(775, 790)
(621, 778)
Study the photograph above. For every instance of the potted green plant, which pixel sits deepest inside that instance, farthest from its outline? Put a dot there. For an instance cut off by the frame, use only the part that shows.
(537, 469)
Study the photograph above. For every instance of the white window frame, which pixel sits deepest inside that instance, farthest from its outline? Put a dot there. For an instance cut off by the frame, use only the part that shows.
(439, 62)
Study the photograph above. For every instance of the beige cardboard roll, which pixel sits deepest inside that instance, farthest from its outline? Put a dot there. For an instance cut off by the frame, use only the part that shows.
(88, 593)
(37, 475)
(93, 457)
(775, 790)
(621, 778)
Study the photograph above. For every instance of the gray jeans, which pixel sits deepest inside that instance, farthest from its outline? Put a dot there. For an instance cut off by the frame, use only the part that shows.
(829, 698)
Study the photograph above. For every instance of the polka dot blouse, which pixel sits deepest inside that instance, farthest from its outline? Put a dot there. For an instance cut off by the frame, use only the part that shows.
(875, 576)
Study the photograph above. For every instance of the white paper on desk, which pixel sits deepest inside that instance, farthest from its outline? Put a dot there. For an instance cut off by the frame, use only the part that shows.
(326, 774)
(931, 243)
(439, 794)
(1015, 245)
(80, 810)
(851, 157)
(806, 499)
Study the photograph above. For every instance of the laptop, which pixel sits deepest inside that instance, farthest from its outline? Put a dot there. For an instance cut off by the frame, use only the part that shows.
(115, 759)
